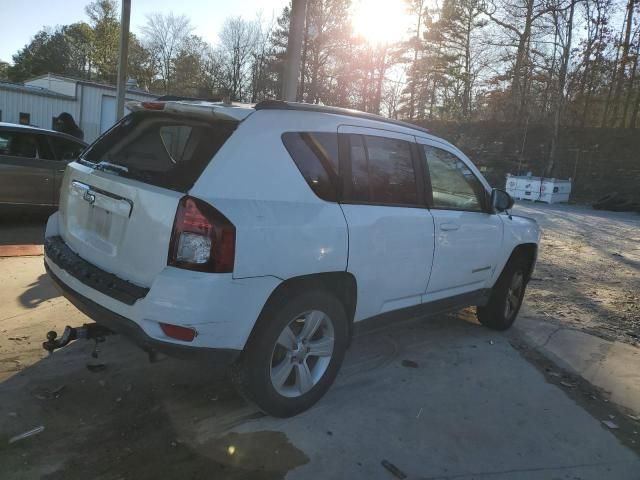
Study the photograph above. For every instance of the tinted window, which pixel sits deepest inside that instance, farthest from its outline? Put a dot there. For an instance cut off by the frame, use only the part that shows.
(382, 171)
(316, 156)
(161, 149)
(453, 184)
(359, 170)
(66, 149)
(18, 144)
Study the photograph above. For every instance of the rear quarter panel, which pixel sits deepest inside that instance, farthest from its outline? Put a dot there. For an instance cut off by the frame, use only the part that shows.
(282, 228)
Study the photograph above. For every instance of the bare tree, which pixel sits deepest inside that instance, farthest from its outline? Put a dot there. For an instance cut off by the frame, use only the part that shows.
(517, 19)
(239, 39)
(624, 60)
(564, 29)
(261, 82)
(164, 36)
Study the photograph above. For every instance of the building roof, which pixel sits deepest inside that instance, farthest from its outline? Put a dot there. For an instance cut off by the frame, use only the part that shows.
(45, 92)
(89, 82)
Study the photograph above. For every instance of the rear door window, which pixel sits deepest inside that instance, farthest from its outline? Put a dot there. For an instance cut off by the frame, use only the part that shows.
(316, 156)
(161, 149)
(382, 171)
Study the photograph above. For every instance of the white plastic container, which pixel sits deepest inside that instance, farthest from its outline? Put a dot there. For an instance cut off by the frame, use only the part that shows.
(538, 189)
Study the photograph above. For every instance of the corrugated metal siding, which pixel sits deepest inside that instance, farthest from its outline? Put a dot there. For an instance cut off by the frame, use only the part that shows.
(42, 109)
(91, 97)
(86, 109)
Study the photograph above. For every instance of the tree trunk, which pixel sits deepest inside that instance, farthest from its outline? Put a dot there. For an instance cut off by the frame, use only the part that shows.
(632, 79)
(562, 80)
(636, 108)
(412, 85)
(545, 98)
(466, 96)
(605, 115)
(517, 92)
(382, 69)
(303, 67)
(623, 63)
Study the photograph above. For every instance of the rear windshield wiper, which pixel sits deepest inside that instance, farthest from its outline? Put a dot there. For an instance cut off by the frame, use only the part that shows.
(114, 167)
(124, 171)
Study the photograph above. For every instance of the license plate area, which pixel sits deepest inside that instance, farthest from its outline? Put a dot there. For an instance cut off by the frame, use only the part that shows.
(97, 218)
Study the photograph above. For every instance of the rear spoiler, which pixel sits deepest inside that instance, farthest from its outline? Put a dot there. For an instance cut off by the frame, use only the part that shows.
(201, 109)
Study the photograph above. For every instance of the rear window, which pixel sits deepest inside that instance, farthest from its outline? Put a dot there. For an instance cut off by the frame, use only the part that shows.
(316, 156)
(161, 149)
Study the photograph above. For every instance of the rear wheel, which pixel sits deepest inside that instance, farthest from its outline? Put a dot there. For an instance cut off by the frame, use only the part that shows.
(294, 354)
(506, 296)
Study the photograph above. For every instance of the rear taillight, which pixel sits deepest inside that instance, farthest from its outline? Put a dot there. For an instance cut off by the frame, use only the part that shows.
(202, 239)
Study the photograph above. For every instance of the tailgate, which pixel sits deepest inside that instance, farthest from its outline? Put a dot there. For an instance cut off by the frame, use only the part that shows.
(118, 224)
(118, 202)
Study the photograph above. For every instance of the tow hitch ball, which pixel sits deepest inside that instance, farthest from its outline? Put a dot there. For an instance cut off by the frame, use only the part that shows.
(87, 331)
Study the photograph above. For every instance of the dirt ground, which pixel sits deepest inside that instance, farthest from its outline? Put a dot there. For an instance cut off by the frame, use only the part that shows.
(473, 408)
(588, 271)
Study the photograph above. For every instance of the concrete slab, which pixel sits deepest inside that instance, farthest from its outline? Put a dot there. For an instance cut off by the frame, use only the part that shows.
(473, 409)
(611, 366)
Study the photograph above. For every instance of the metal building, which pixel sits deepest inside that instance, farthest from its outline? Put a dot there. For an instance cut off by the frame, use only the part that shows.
(39, 100)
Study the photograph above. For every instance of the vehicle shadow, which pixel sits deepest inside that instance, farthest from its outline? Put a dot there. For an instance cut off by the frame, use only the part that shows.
(171, 419)
(40, 291)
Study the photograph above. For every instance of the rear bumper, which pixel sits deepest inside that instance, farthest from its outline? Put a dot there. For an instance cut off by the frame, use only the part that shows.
(128, 328)
(222, 309)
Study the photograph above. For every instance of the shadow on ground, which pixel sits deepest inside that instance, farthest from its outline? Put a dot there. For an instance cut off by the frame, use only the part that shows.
(466, 403)
(40, 291)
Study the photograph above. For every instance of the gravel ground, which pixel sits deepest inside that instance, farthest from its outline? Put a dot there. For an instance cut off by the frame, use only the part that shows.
(588, 271)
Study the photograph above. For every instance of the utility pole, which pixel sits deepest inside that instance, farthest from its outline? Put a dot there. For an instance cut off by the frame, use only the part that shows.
(294, 50)
(123, 57)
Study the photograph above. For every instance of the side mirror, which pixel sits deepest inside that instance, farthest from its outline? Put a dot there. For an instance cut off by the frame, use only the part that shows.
(501, 200)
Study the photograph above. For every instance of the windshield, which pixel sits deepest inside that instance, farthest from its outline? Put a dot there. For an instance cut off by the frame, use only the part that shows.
(165, 150)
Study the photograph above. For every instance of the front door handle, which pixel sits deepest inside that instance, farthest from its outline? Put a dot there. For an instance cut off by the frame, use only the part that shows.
(448, 227)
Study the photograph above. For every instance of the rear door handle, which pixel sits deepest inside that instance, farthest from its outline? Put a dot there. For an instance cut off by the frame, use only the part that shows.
(447, 227)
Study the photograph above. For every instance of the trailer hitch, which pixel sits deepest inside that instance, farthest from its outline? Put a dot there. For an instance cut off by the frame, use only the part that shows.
(88, 331)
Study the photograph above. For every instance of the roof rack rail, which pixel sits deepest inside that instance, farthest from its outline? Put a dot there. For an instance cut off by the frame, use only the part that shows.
(308, 107)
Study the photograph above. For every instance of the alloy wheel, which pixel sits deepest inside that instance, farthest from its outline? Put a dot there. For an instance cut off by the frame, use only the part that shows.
(302, 353)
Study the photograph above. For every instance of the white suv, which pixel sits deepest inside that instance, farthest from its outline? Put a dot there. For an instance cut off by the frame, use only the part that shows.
(259, 236)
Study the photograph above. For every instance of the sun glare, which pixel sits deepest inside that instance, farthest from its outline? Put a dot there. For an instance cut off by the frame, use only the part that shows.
(380, 21)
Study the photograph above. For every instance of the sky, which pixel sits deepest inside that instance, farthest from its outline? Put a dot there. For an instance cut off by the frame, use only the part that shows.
(22, 19)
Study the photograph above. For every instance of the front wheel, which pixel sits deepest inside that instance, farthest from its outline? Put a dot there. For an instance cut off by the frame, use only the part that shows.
(294, 354)
(506, 296)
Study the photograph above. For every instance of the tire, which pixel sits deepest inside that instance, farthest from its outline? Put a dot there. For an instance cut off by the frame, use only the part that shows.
(506, 296)
(280, 344)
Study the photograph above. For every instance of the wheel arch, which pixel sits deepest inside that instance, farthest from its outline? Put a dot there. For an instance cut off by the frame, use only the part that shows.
(528, 251)
(342, 284)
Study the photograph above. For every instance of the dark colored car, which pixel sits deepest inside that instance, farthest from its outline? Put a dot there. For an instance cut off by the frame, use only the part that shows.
(32, 163)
